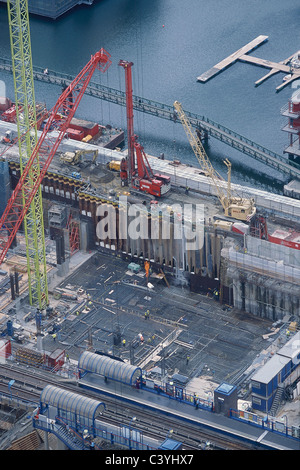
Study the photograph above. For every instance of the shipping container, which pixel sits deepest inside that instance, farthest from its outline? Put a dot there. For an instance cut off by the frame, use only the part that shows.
(75, 134)
(5, 349)
(56, 359)
(87, 127)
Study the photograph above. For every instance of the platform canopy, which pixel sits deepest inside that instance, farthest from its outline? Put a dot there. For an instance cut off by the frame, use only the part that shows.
(71, 402)
(108, 367)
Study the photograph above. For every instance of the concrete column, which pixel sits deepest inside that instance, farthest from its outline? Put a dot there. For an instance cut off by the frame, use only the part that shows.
(61, 445)
(46, 440)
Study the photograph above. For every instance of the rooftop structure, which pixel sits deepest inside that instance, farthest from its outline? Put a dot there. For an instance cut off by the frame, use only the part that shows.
(292, 111)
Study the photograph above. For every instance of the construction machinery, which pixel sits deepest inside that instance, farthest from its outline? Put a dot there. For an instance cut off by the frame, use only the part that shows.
(7, 138)
(46, 147)
(114, 165)
(28, 117)
(79, 156)
(137, 172)
(234, 206)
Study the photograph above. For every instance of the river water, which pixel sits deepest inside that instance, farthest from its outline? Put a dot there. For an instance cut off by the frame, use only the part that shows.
(171, 42)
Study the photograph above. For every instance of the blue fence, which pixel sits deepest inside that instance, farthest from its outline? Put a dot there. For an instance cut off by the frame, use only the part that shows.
(267, 423)
(83, 439)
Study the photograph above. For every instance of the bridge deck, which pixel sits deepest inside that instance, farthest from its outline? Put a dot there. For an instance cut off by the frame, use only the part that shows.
(164, 111)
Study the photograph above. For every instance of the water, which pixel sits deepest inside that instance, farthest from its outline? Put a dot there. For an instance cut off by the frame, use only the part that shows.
(171, 42)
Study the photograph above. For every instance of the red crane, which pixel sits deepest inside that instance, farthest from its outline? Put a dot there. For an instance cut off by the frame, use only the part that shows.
(139, 172)
(51, 137)
(129, 114)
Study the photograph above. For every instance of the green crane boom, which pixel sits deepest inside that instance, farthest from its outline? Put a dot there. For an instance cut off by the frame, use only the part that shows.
(26, 118)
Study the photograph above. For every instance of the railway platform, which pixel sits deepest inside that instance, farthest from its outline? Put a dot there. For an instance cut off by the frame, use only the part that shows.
(160, 403)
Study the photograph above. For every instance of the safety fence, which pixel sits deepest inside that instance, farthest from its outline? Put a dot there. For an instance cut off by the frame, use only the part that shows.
(266, 423)
(84, 438)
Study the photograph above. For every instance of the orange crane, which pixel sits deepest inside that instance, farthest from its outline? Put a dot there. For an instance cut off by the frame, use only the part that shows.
(138, 172)
(53, 133)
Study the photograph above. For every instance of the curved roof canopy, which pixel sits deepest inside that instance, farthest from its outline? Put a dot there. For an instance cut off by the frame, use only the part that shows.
(108, 367)
(71, 402)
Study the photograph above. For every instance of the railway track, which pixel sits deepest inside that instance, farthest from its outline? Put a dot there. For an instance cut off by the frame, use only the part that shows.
(29, 384)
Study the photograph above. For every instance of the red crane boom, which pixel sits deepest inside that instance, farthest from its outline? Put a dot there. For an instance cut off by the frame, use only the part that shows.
(129, 114)
(51, 137)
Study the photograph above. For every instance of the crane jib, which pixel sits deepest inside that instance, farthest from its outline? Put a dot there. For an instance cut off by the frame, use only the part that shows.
(45, 149)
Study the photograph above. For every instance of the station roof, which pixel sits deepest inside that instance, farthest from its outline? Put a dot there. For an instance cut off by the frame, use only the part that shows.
(71, 402)
(109, 367)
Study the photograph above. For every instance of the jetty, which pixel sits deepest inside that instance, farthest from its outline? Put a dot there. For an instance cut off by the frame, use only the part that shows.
(242, 55)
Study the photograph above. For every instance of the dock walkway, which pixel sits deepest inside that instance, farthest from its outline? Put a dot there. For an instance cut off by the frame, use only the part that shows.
(231, 59)
(241, 54)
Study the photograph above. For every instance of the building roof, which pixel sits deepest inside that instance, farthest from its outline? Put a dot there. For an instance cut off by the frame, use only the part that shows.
(269, 370)
(292, 347)
(225, 388)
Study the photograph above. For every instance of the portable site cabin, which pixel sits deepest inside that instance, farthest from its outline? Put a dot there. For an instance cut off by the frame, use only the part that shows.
(281, 370)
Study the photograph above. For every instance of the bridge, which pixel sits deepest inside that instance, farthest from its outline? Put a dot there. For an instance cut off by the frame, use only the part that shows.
(206, 126)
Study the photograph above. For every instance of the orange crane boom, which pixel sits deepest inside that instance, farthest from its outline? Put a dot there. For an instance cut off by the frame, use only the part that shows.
(46, 147)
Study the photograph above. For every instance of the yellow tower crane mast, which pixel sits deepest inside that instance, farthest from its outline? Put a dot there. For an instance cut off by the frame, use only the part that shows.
(234, 206)
(18, 19)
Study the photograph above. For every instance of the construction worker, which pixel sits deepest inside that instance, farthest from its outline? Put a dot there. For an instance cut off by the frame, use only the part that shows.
(141, 337)
(147, 314)
(124, 342)
(54, 337)
(187, 359)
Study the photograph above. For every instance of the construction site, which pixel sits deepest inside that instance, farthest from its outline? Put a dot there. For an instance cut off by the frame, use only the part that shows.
(166, 266)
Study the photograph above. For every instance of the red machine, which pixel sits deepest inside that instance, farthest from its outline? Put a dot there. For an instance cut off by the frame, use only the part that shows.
(143, 178)
(139, 172)
(45, 149)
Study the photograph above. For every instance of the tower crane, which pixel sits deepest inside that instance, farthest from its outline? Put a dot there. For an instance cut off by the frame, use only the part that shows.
(53, 133)
(137, 171)
(234, 206)
(26, 118)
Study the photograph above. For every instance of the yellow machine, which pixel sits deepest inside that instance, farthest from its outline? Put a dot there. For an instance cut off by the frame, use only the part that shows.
(76, 157)
(114, 165)
(234, 206)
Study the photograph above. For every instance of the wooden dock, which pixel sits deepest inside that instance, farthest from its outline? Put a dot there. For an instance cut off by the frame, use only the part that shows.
(241, 54)
(231, 59)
